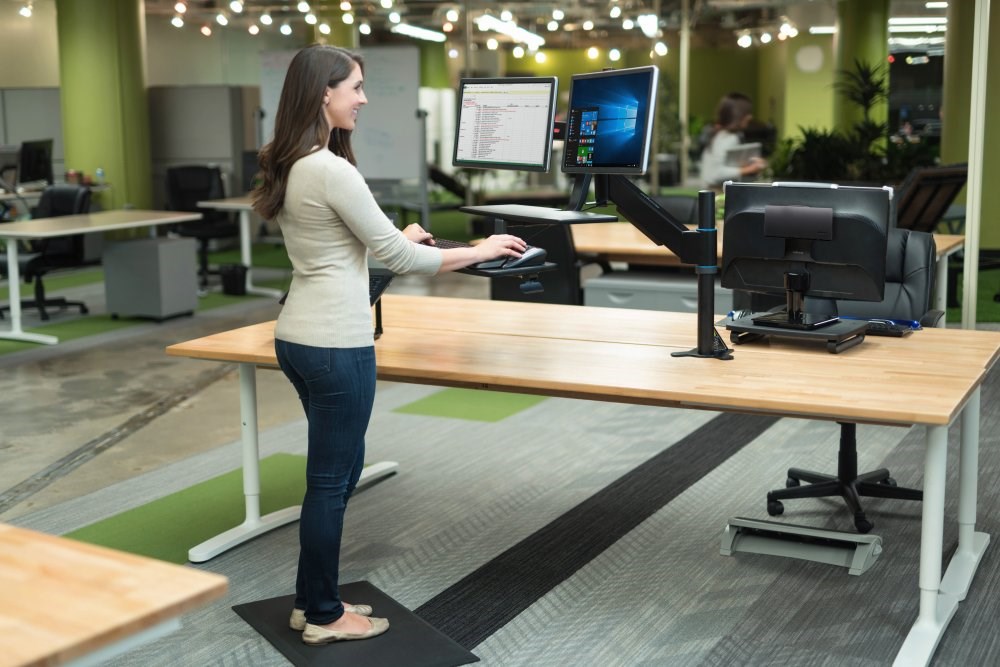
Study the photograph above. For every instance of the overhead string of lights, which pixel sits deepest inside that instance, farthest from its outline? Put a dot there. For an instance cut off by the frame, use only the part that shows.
(501, 28)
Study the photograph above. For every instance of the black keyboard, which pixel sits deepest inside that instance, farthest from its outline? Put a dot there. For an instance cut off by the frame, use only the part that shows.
(887, 328)
(445, 244)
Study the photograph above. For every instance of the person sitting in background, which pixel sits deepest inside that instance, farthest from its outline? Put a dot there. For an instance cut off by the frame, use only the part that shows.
(732, 116)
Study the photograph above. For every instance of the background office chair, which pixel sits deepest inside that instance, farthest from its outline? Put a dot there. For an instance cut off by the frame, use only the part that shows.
(562, 285)
(909, 290)
(186, 186)
(47, 255)
(926, 194)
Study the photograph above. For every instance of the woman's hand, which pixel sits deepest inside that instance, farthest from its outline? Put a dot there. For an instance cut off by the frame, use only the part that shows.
(418, 234)
(754, 166)
(499, 245)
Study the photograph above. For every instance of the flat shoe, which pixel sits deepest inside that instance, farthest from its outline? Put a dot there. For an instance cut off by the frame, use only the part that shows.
(317, 635)
(297, 621)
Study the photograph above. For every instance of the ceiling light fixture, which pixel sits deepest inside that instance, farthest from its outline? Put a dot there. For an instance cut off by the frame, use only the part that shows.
(518, 51)
(206, 30)
(25, 10)
(311, 19)
(266, 19)
(365, 29)
(649, 24)
(177, 22)
(254, 29)
(394, 17)
(345, 6)
(452, 15)
(285, 29)
(822, 30)
(236, 6)
(506, 15)
(303, 6)
(593, 52)
(221, 19)
(517, 33)
(588, 25)
(418, 32)
(180, 7)
(660, 49)
(614, 55)
(386, 4)
(558, 14)
(348, 19)
(324, 28)
(628, 24)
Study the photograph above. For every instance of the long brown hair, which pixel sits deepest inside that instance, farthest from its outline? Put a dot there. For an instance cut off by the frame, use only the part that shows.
(300, 125)
(731, 111)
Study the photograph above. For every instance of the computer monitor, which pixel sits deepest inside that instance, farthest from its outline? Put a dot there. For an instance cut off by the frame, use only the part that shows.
(805, 240)
(10, 156)
(609, 124)
(36, 162)
(505, 123)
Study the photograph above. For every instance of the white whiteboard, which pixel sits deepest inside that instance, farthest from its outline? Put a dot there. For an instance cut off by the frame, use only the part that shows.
(387, 138)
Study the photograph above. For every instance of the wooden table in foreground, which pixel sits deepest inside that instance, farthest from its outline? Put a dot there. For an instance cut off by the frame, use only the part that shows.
(68, 225)
(621, 242)
(63, 600)
(622, 355)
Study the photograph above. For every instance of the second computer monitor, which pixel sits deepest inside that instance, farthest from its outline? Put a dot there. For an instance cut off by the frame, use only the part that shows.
(505, 123)
(610, 121)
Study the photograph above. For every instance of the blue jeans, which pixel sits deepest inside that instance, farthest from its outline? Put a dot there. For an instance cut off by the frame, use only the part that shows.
(337, 389)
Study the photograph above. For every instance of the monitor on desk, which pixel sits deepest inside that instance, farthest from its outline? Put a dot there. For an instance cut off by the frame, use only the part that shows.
(609, 125)
(505, 123)
(36, 163)
(805, 240)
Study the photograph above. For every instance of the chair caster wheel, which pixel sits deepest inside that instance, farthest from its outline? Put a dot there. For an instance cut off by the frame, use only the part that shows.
(889, 481)
(775, 508)
(791, 482)
(114, 316)
(84, 310)
(862, 524)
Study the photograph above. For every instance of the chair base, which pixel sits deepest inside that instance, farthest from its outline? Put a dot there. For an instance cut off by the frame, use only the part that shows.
(874, 484)
(42, 306)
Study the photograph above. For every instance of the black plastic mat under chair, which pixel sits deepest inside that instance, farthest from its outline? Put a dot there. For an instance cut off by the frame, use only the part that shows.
(409, 642)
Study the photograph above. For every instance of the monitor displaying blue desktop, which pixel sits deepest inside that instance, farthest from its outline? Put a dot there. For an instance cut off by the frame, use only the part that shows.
(610, 121)
(805, 240)
(505, 123)
(36, 163)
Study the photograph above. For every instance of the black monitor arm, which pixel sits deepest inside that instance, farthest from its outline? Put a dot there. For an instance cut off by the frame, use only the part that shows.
(692, 246)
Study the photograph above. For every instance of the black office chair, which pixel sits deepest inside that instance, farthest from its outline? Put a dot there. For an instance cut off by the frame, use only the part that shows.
(561, 285)
(46, 255)
(909, 291)
(186, 186)
(926, 194)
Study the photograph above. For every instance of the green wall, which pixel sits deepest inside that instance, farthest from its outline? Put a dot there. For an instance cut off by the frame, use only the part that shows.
(809, 96)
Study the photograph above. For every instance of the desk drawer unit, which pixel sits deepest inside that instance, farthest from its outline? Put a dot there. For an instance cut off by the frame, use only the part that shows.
(649, 290)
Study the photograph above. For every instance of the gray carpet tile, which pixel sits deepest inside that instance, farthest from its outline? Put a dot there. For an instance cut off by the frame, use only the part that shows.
(661, 595)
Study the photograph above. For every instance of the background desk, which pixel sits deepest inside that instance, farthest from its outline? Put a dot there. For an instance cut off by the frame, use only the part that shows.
(244, 207)
(624, 356)
(61, 599)
(68, 225)
(618, 242)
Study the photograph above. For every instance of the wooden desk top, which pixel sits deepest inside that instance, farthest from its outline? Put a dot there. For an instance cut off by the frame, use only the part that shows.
(623, 355)
(101, 221)
(61, 599)
(622, 242)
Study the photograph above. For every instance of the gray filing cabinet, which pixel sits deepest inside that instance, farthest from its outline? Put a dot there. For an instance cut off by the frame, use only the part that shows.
(650, 290)
(155, 277)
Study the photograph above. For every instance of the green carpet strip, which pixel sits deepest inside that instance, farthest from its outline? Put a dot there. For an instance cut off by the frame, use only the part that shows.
(168, 527)
(472, 404)
(487, 599)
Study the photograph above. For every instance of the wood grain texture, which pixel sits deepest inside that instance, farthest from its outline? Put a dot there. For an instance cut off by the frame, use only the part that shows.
(623, 356)
(61, 599)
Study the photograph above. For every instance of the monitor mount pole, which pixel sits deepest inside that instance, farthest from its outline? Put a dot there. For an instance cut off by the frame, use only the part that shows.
(699, 246)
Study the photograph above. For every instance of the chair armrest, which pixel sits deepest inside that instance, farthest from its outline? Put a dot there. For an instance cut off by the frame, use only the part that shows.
(932, 318)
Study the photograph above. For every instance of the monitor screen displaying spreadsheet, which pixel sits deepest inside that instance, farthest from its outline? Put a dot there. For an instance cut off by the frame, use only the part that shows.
(505, 123)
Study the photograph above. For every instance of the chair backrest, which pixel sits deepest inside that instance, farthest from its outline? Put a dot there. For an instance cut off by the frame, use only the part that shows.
(683, 208)
(926, 194)
(59, 200)
(911, 258)
(561, 285)
(189, 184)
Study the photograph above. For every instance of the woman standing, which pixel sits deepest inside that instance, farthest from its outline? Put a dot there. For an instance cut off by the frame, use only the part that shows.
(324, 337)
(732, 115)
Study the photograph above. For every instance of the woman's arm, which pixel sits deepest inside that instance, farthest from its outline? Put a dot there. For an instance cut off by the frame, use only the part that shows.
(452, 259)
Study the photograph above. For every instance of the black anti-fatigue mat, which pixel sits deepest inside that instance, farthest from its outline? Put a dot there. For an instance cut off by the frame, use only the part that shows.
(409, 642)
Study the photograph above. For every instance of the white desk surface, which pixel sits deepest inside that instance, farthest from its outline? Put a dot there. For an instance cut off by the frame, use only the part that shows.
(101, 221)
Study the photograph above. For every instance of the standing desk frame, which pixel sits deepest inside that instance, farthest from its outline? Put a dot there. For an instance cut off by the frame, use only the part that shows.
(540, 348)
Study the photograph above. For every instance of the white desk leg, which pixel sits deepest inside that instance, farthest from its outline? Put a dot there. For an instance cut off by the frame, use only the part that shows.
(14, 294)
(971, 545)
(253, 523)
(247, 258)
(941, 283)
